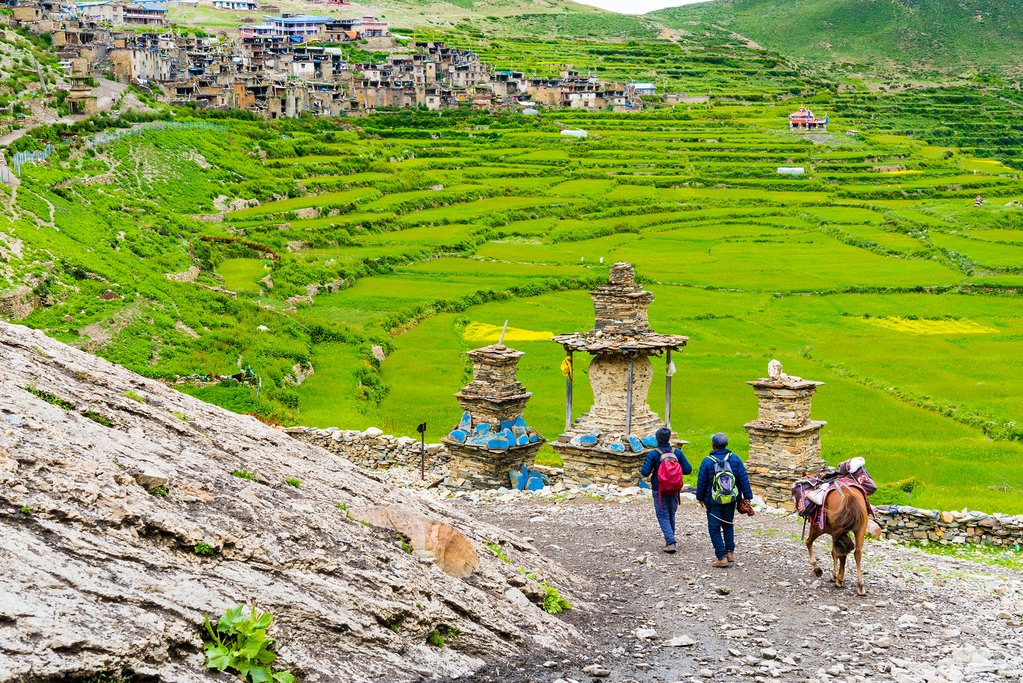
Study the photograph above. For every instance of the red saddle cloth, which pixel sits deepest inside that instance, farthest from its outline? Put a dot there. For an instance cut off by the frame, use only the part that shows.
(829, 480)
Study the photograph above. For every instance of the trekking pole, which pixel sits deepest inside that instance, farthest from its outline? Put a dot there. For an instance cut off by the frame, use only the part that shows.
(422, 450)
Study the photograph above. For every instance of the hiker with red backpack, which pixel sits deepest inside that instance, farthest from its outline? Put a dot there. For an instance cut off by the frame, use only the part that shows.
(721, 483)
(665, 466)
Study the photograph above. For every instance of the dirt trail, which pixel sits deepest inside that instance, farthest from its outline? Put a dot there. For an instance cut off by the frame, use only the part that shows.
(926, 618)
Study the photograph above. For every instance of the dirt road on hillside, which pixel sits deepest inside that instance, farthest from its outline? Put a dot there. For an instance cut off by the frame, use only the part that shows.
(656, 617)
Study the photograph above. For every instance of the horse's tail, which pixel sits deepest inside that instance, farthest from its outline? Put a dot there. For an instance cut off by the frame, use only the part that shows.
(850, 516)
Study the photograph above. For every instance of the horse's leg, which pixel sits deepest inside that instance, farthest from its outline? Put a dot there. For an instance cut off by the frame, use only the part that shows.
(840, 580)
(814, 566)
(861, 534)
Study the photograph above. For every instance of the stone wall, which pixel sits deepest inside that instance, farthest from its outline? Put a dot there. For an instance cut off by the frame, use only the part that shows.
(371, 448)
(914, 524)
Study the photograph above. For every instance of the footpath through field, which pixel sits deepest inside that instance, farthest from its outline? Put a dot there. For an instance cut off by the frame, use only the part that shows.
(651, 617)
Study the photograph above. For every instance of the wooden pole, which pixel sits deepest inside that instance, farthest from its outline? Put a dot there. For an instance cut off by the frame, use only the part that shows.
(628, 401)
(667, 390)
(568, 393)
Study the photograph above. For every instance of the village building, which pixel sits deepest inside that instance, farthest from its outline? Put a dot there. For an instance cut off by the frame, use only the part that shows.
(298, 27)
(123, 14)
(641, 89)
(804, 119)
(236, 5)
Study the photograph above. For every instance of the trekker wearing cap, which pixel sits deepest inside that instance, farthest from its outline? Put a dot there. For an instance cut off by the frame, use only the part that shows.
(720, 484)
(665, 501)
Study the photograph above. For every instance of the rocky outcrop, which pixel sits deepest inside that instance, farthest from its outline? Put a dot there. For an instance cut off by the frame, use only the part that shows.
(109, 481)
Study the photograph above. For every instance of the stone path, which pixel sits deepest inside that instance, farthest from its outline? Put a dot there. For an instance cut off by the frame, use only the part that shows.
(656, 617)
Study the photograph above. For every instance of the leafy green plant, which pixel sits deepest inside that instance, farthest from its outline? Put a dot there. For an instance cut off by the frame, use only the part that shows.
(403, 541)
(553, 603)
(98, 418)
(293, 481)
(243, 474)
(498, 551)
(440, 634)
(180, 415)
(204, 550)
(128, 393)
(51, 398)
(161, 491)
(343, 507)
(239, 644)
(26, 509)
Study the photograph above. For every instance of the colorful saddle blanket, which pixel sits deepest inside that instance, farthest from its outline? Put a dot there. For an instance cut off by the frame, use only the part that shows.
(810, 493)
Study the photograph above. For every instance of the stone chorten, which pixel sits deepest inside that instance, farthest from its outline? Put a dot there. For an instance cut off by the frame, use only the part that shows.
(492, 438)
(784, 442)
(608, 443)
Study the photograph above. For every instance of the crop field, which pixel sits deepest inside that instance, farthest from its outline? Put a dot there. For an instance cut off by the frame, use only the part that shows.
(875, 271)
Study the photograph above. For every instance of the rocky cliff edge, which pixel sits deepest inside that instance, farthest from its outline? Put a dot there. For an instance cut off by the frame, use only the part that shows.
(101, 573)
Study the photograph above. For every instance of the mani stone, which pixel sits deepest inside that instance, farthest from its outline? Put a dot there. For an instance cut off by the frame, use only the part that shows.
(784, 443)
(492, 438)
(599, 446)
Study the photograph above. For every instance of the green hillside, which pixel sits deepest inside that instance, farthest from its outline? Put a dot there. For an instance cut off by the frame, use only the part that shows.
(874, 35)
(204, 244)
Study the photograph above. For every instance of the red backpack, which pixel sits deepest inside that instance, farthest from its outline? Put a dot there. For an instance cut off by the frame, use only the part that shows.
(669, 474)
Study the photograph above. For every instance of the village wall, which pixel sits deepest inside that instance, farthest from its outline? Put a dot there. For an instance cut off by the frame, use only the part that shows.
(917, 525)
(371, 448)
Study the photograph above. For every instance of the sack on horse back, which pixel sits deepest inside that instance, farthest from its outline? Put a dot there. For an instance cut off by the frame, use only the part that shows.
(856, 468)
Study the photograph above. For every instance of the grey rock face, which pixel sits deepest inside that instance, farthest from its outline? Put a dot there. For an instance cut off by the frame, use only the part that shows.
(100, 574)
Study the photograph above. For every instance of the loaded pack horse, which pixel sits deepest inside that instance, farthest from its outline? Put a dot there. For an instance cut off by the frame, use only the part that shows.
(846, 515)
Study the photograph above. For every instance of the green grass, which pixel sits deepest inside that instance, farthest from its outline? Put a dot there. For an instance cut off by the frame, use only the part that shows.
(874, 273)
(886, 34)
(242, 274)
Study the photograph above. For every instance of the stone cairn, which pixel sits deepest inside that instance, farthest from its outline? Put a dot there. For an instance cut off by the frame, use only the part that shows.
(784, 443)
(608, 443)
(491, 439)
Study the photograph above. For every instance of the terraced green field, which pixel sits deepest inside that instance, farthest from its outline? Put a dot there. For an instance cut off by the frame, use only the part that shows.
(874, 271)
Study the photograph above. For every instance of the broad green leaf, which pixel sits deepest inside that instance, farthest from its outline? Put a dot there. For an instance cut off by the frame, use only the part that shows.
(284, 677)
(264, 621)
(218, 657)
(260, 674)
(252, 645)
(266, 657)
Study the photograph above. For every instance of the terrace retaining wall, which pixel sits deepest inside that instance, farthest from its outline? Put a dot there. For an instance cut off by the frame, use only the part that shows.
(914, 524)
(371, 448)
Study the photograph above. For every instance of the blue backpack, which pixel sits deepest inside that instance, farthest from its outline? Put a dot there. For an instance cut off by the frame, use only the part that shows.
(723, 487)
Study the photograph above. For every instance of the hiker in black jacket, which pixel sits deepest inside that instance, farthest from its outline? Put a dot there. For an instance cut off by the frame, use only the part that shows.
(665, 506)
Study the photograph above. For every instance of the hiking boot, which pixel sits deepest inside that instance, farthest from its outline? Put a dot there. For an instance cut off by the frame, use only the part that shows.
(670, 548)
(730, 557)
(720, 564)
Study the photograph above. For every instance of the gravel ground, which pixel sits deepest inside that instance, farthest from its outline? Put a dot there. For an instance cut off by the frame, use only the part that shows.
(648, 616)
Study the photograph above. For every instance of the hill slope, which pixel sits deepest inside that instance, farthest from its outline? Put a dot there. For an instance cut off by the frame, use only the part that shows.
(918, 34)
(101, 576)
